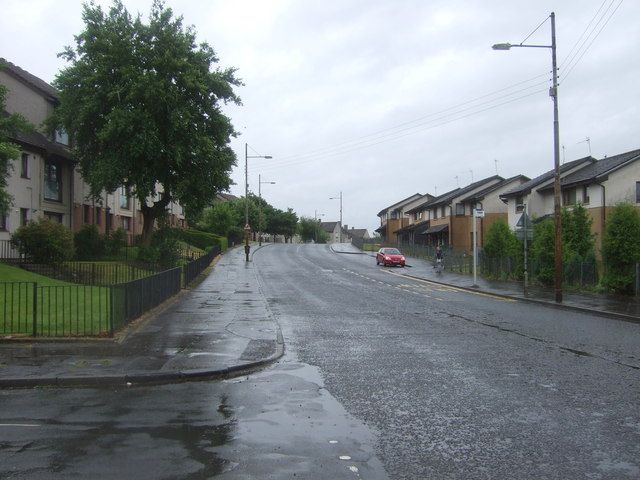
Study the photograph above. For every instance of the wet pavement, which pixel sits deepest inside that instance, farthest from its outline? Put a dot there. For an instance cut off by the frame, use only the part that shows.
(621, 307)
(223, 326)
(219, 327)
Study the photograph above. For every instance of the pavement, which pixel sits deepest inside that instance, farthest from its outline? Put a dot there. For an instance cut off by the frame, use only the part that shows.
(223, 327)
(621, 307)
(219, 328)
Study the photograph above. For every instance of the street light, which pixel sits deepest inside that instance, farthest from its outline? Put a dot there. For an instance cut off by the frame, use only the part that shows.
(339, 198)
(260, 183)
(247, 227)
(553, 93)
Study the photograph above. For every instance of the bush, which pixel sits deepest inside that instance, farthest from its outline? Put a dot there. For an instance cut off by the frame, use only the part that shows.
(44, 241)
(197, 238)
(164, 249)
(115, 242)
(89, 244)
(621, 248)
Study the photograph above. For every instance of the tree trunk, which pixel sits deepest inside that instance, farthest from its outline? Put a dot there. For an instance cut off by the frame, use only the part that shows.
(149, 216)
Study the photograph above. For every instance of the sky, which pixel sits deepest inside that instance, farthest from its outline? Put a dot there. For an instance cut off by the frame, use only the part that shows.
(381, 99)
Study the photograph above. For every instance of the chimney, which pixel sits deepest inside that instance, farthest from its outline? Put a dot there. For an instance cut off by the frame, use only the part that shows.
(346, 227)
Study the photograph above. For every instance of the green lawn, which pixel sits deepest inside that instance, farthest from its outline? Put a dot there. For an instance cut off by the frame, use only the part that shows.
(62, 309)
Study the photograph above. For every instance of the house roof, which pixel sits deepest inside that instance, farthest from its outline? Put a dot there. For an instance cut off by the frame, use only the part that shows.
(446, 198)
(329, 227)
(357, 232)
(599, 170)
(531, 184)
(29, 79)
(225, 197)
(413, 226)
(39, 141)
(401, 203)
(492, 188)
(433, 201)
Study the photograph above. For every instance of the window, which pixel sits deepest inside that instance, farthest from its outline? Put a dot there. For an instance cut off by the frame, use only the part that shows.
(53, 216)
(3, 222)
(569, 197)
(24, 216)
(62, 137)
(435, 213)
(585, 194)
(52, 181)
(86, 213)
(637, 192)
(459, 209)
(124, 198)
(109, 220)
(443, 211)
(519, 204)
(24, 166)
(98, 216)
(126, 223)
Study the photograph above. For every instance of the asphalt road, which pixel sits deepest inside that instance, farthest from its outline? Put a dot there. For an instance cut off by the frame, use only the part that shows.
(383, 377)
(461, 385)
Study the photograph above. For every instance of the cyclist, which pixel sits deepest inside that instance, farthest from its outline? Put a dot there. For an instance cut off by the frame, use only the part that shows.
(438, 264)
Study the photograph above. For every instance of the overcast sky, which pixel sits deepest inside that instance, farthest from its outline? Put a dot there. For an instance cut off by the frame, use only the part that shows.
(381, 99)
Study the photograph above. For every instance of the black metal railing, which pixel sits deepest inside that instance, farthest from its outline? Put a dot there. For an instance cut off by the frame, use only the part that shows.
(132, 299)
(27, 308)
(192, 269)
(8, 251)
(92, 273)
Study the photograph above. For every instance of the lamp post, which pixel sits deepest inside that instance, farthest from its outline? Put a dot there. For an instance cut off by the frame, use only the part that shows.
(247, 227)
(260, 182)
(553, 93)
(339, 198)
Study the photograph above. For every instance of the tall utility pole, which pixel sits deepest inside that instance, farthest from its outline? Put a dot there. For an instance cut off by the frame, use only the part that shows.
(339, 198)
(247, 227)
(553, 93)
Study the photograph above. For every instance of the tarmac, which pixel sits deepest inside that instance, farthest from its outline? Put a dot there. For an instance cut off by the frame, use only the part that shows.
(223, 327)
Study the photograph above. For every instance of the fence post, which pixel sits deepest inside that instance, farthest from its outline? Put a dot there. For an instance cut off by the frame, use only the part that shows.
(111, 313)
(35, 309)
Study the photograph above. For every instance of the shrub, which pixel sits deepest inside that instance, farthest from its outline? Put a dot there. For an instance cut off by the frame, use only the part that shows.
(88, 242)
(621, 248)
(115, 242)
(44, 241)
(197, 238)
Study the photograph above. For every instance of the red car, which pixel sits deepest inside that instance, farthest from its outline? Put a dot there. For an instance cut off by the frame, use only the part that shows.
(389, 256)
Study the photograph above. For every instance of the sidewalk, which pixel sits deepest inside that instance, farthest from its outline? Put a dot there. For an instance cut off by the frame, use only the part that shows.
(219, 327)
(622, 307)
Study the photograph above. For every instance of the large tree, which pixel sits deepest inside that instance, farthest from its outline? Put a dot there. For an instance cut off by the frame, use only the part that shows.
(9, 126)
(142, 104)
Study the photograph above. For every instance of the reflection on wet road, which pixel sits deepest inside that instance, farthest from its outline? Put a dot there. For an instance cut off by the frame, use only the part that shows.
(460, 384)
(278, 423)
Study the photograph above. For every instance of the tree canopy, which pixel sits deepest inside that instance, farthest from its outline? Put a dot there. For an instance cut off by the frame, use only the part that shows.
(142, 105)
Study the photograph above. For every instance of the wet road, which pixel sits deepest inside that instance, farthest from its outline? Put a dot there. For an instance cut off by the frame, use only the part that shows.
(383, 377)
(461, 385)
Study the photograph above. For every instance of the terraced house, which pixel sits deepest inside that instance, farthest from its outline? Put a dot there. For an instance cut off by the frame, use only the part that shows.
(45, 180)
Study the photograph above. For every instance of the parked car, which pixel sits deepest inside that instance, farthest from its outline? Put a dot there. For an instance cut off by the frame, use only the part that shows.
(389, 256)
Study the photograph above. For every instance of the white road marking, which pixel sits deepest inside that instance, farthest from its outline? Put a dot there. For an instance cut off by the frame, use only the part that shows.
(19, 425)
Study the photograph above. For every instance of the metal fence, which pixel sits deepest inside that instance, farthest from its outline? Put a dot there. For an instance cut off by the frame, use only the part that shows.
(575, 273)
(92, 273)
(132, 299)
(192, 269)
(8, 251)
(27, 308)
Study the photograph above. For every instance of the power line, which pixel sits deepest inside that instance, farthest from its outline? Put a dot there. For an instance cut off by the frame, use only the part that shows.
(570, 69)
(300, 160)
(581, 35)
(387, 131)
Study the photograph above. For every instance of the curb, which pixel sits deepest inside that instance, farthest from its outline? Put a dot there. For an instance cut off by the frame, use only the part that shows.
(561, 306)
(147, 378)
